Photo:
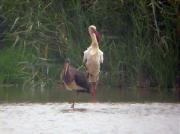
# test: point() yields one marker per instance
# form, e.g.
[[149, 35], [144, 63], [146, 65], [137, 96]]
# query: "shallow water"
[[90, 118], [104, 94], [127, 111]]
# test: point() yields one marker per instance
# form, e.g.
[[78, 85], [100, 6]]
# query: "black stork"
[[74, 79], [93, 58]]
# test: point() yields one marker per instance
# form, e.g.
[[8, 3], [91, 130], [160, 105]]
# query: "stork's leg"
[[72, 106], [93, 88], [75, 97], [93, 91]]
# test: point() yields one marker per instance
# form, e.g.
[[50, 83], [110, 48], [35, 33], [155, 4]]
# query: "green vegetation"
[[139, 40]]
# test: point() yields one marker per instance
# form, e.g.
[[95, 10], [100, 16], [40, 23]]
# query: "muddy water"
[[90, 118]]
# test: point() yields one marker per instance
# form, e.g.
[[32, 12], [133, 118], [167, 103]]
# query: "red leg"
[[91, 89], [93, 92]]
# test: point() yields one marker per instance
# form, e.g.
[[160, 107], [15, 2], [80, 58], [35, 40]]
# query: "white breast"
[[93, 62]]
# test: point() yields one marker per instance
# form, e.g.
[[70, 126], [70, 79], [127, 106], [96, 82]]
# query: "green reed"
[[138, 40]]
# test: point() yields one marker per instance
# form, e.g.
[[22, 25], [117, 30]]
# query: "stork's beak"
[[66, 65], [98, 35]]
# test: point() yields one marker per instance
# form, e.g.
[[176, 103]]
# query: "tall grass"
[[138, 39]]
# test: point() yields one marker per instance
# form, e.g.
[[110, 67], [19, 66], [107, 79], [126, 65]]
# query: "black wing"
[[81, 80]]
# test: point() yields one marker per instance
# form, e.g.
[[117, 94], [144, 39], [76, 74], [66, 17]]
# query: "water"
[[104, 94], [47, 111], [90, 118]]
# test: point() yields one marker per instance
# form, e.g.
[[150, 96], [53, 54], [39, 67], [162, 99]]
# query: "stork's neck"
[[94, 45]]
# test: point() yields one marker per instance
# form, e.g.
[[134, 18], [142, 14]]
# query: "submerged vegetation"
[[139, 40]]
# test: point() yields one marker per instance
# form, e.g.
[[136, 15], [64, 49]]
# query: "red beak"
[[98, 35]]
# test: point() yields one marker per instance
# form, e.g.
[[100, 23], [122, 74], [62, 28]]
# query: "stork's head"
[[67, 60], [92, 29]]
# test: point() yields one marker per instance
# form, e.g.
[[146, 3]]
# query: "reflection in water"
[[70, 110], [104, 94]]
